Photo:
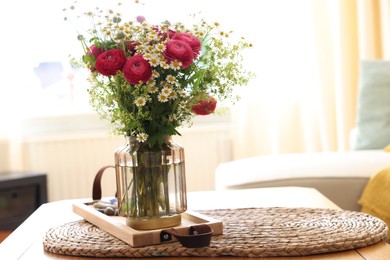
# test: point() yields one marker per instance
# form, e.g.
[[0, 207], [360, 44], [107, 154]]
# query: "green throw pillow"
[[373, 112]]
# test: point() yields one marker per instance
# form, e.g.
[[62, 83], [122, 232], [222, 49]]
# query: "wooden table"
[[26, 241]]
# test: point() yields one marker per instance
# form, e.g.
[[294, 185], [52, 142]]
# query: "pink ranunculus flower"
[[137, 70], [205, 107], [180, 51], [191, 40], [140, 18], [109, 62]]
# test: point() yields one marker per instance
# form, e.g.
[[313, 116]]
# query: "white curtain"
[[315, 109]]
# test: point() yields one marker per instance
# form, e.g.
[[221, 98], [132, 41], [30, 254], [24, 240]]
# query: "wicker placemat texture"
[[252, 232]]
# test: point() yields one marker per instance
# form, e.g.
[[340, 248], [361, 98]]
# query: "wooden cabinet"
[[21, 193]]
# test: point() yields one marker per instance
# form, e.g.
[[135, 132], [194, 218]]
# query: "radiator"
[[4, 155], [72, 160]]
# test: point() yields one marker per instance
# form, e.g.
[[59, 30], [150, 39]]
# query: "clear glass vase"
[[151, 184]]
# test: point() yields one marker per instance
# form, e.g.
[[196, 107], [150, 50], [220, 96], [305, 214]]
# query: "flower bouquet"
[[148, 80]]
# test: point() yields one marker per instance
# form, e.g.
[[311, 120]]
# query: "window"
[[38, 80]]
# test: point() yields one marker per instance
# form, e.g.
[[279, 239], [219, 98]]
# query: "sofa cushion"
[[341, 176], [373, 111], [375, 199]]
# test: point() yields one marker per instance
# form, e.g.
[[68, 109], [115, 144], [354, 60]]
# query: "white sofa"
[[341, 176]]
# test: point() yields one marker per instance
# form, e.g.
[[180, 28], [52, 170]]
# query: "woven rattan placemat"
[[254, 232]]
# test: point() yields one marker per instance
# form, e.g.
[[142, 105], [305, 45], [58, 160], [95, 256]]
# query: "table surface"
[[26, 241]]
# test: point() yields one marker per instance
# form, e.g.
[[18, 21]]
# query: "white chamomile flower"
[[139, 48], [147, 56], [160, 47], [142, 137], [151, 82], [152, 36], [164, 84], [154, 61], [144, 42], [172, 117], [164, 27], [152, 89], [200, 34], [164, 65], [182, 105], [171, 79], [166, 91], [173, 95], [157, 52], [140, 102], [175, 65], [155, 73], [182, 93], [162, 98]]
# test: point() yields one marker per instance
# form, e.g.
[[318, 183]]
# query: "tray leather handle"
[[97, 188], [199, 236]]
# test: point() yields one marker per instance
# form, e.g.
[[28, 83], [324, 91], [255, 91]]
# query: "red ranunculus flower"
[[129, 46], [95, 51], [191, 40], [180, 51], [137, 70], [205, 107], [164, 35], [109, 62], [168, 34]]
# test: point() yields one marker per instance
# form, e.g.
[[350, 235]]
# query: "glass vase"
[[151, 184]]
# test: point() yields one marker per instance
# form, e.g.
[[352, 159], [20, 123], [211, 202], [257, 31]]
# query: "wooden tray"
[[116, 225]]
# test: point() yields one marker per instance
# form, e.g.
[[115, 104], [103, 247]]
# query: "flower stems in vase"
[[152, 183], [150, 190]]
